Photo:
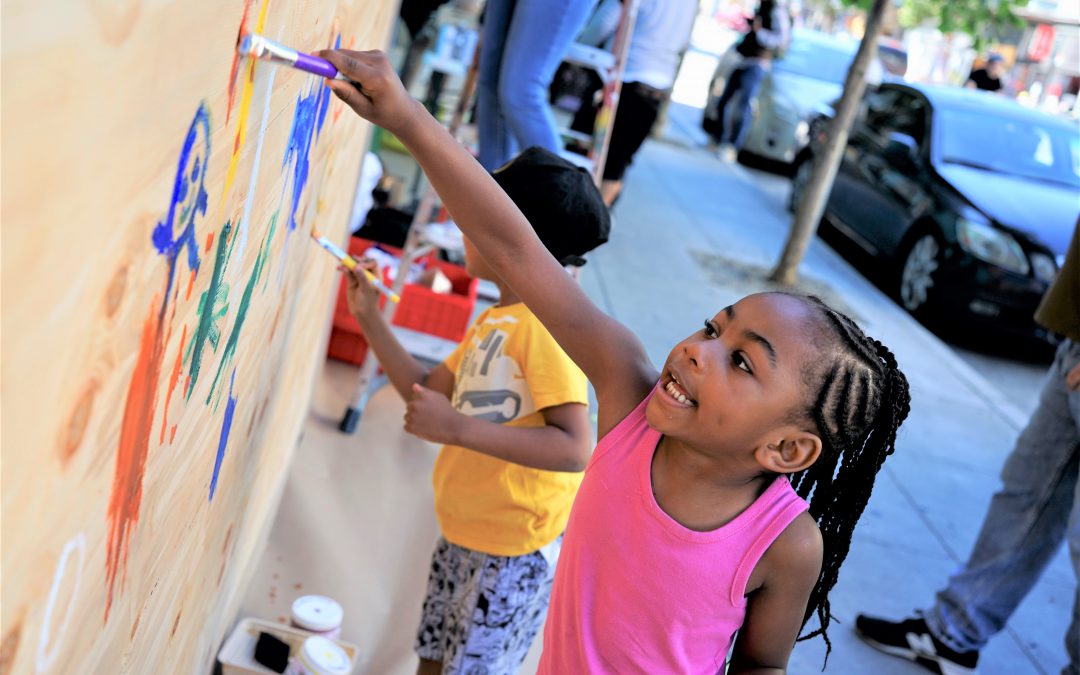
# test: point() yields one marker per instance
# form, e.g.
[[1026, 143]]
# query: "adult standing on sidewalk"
[[522, 42], [661, 32], [1037, 507], [769, 32]]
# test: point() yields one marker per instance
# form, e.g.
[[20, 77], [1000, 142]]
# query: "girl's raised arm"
[[610, 355]]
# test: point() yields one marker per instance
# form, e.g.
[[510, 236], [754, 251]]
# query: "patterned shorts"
[[482, 611]]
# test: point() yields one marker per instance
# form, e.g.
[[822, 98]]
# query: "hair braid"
[[861, 400]]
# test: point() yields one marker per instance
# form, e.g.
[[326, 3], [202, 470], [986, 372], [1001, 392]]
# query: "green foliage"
[[983, 20]]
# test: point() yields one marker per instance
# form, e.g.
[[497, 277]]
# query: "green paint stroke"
[[242, 310], [213, 306]]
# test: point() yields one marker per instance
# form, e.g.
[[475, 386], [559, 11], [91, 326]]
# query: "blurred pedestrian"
[[1037, 507], [988, 78], [661, 31], [522, 43], [769, 32]]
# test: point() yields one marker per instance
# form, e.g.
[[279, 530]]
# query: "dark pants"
[[742, 86], [639, 105]]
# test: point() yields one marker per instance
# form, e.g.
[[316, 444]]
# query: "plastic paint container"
[[320, 656], [318, 614]]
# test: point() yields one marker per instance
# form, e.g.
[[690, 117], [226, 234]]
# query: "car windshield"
[[812, 59], [1002, 144]]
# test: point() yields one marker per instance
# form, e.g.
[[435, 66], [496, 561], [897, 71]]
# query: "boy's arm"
[[401, 368], [562, 444], [774, 611], [611, 356]]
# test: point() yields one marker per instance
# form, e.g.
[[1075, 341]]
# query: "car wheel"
[[798, 183], [918, 273]]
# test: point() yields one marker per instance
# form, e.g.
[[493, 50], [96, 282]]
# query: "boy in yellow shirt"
[[510, 408]]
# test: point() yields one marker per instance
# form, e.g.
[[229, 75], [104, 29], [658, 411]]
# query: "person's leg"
[[1072, 634], [1026, 522], [637, 111], [731, 88], [490, 123], [751, 82], [540, 32]]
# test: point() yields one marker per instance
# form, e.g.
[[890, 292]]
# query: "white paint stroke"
[[48, 645], [249, 201]]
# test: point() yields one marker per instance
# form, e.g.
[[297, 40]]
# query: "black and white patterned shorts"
[[482, 611]]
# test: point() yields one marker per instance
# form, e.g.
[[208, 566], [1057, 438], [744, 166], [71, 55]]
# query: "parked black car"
[[968, 198]]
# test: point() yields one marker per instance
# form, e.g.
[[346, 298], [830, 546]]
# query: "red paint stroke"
[[236, 61], [172, 434], [135, 430], [190, 285], [172, 384], [209, 241]]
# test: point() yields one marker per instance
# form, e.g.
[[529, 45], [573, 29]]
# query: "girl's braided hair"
[[862, 400]]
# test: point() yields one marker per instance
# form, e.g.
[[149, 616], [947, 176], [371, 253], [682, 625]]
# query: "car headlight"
[[991, 245], [1044, 267]]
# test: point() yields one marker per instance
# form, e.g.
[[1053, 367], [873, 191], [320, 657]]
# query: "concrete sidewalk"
[[691, 235]]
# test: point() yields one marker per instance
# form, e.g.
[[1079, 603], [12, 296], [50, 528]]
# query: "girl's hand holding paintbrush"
[[373, 89]]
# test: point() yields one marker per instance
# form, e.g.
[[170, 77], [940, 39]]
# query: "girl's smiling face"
[[733, 385]]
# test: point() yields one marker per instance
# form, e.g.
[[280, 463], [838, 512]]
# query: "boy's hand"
[[362, 296], [430, 416], [374, 90]]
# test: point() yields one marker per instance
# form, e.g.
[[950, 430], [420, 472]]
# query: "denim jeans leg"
[[1072, 635], [751, 82], [540, 33], [723, 111], [491, 129], [1026, 523]]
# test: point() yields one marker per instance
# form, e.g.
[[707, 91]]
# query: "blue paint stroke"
[[189, 199], [296, 151], [226, 427], [324, 97]]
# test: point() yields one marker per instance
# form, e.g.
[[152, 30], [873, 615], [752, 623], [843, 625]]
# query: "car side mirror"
[[900, 149]]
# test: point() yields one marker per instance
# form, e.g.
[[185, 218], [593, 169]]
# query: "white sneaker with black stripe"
[[912, 640]]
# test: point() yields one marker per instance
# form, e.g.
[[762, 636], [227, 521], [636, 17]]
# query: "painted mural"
[[154, 383]]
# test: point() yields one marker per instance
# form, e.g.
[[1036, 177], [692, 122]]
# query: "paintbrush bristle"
[[315, 234]]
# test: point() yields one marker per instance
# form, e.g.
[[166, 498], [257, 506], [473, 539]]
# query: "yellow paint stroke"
[[246, 92]]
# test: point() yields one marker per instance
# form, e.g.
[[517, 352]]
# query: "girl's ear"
[[792, 451]]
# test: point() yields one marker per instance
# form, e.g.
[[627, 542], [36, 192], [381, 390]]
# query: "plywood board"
[[164, 312]]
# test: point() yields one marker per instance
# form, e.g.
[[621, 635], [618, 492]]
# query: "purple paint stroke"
[[189, 198], [226, 427]]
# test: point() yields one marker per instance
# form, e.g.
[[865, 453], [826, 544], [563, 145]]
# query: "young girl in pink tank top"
[[721, 498]]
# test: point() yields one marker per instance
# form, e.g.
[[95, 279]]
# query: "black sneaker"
[[912, 640]]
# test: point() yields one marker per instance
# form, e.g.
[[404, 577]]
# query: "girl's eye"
[[740, 362], [709, 330]]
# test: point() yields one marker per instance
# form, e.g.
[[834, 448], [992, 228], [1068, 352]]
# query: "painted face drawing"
[[189, 198]]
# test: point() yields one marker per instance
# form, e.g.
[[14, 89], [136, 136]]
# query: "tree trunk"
[[827, 160]]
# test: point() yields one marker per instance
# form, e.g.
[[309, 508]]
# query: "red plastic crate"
[[421, 309]]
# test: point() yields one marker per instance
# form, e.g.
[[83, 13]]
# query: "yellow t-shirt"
[[506, 370]]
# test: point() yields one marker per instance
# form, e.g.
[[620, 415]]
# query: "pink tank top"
[[635, 591]]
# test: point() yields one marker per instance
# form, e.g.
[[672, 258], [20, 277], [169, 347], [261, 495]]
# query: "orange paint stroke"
[[209, 241], [236, 61], [172, 434], [135, 430], [190, 285], [172, 384]]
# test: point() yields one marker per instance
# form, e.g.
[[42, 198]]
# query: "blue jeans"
[[1036, 508], [522, 43], [742, 85]]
